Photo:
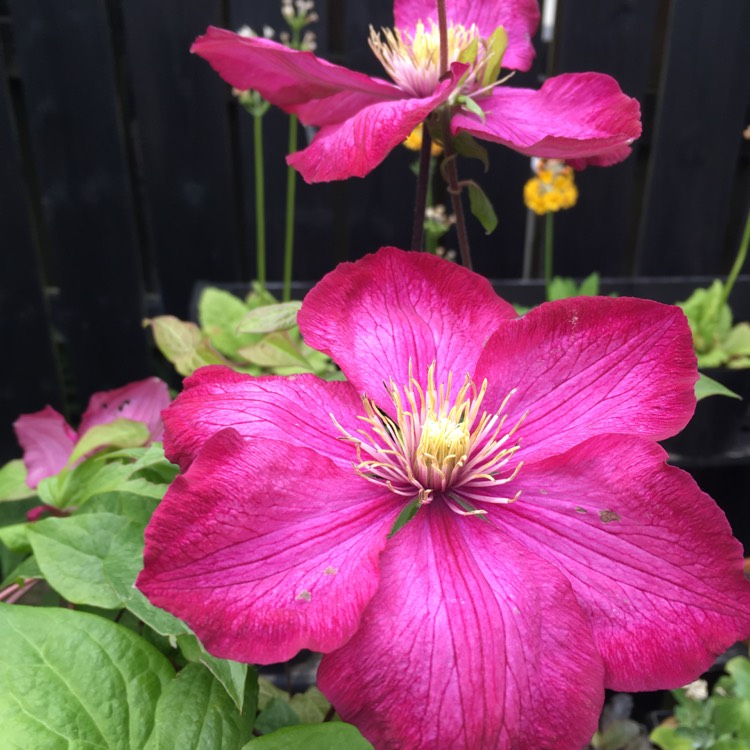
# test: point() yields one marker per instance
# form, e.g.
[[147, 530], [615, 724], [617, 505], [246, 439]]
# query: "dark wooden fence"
[[125, 171]]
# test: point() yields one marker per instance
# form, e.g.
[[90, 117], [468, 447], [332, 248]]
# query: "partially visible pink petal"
[[470, 642], [354, 147], [296, 409], [264, 549], [47, 441], [519, 18], [650, 557], [588, 366], [291, 79], [392, 310], [583, 118], [142, 401]]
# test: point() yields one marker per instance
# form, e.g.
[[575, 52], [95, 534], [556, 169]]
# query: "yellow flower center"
[[412, 60], [438, 441]]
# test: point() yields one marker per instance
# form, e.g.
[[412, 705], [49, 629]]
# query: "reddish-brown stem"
[[450, 171], [15, 592], [443, 29]]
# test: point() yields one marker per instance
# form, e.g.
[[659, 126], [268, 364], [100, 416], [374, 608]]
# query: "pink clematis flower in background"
[[583, 118], [48, 440], [553, 553]]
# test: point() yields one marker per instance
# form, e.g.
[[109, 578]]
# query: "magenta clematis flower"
[[553, 552], [581, 118], [48, 440]]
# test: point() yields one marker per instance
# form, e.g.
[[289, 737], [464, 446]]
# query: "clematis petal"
[[142, 401], [592, 365], [650, 557], [470, 642], [583, 118], [291, 79], [264, 549], [393, 309], [355, 146], [295, 409], [519, 18], [47, 441]]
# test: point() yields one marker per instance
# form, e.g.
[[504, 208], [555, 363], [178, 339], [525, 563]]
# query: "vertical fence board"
[[613, 37], [186, 166], [67, 68], [701, 110], [29, 371]]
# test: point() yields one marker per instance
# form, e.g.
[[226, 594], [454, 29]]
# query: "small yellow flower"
[[414, 142], [553, 188]]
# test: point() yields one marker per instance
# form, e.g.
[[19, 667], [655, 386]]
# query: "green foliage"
[[719, 721], [564, 288], [13, 481], [257, 335], [706, 387], [95, 664], [330, 736], [72, 679], [481, 207], [718, 342]]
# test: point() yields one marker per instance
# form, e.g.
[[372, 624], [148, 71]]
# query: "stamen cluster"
[[413, 60], [438, 442]]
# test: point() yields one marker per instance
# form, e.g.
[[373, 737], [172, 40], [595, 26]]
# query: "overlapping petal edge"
[[584, 118], [608, 549], [48, 440]]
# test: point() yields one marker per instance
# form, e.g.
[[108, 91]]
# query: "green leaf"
[[121, 433], [220, 314], [280, 316], [466, 145], [272, 351], [561, 288], [136, 508], [667, 738], [277, 714], [71, 551], [183, 344], [195, 711], [75, 680], [738, 669], [26, 570], [311, 706], [14, 537], [496, 46], [589, 286], [481, 207], [329, 736], [231, 674], [469, 53], [13, 481], [468, 103], [102, 473], [706, 387]]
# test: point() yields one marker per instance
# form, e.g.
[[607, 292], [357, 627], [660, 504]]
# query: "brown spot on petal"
[[607, 516], [329, 571], [304, 595], [579, 509]]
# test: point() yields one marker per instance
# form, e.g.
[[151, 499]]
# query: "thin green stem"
[[423, 184], [260, 202], [549, 224], [291, 189], [739, 261]]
